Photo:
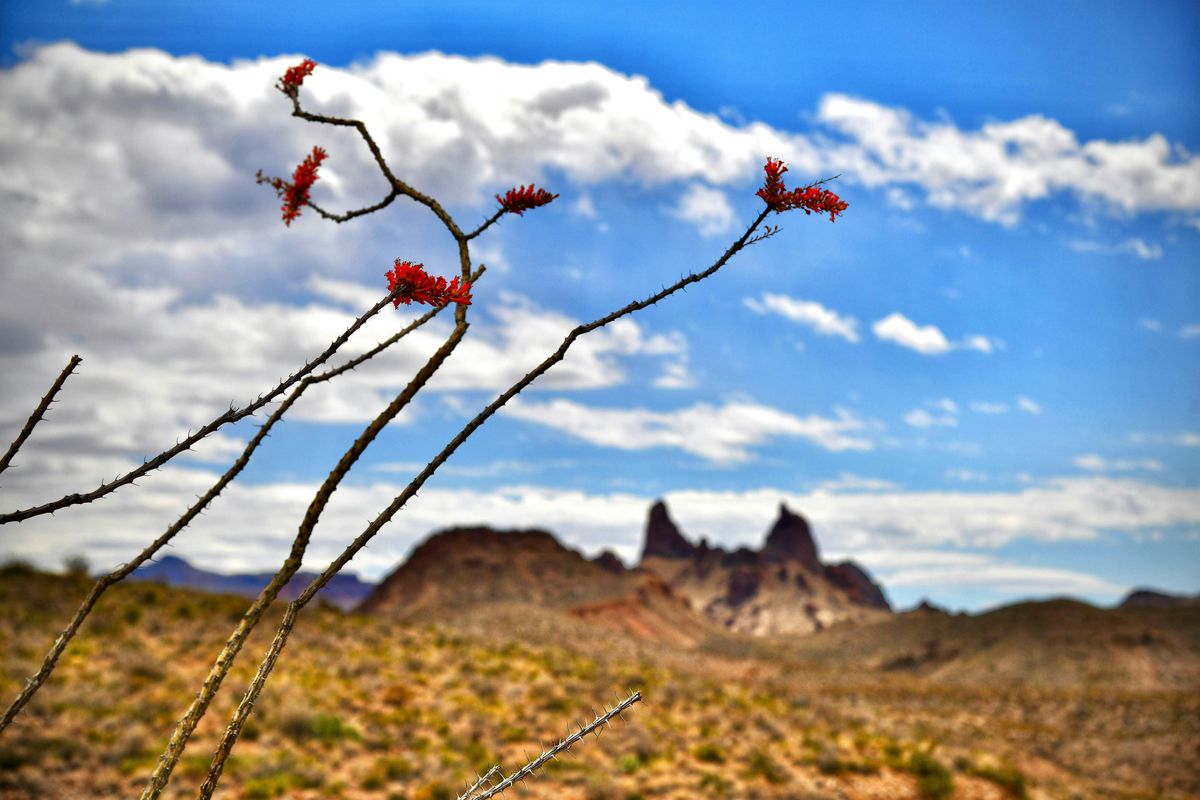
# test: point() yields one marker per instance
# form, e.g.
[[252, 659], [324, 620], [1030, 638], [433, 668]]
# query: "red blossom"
[[295, 75], [295, 194], [518, 201], [809, 199], [415, 284]]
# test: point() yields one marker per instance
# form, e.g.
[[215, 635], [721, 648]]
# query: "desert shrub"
[[759, 764], [331, 728], [385, 770], [1006, 776], [934, 781], [709, 753], [434, 791], [714, 784]]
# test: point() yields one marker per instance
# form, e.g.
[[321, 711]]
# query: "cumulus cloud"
[[994, 171], [925, 339], [706, 208], [809, 313], [720, 434], [989, 408], [205, 355], [1190, 331], [966, 475], [250, 527], [999, 577], [920, 418], [1027, 405], [849, 482], [928, 340], [1136, 247], [1096, 463]]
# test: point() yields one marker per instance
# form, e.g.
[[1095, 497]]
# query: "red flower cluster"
[[518, 201], [416, 284], [777, 197], [296, 75], [295, 194]]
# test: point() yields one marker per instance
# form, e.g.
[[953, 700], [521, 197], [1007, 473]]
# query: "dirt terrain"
[[369, 707]]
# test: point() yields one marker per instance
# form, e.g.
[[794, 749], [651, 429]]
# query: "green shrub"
[[709, 753], [714, 784], [760, 764], [933, 779], [1007, 777]]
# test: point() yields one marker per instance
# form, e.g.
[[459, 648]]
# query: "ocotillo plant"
[[407, 283]]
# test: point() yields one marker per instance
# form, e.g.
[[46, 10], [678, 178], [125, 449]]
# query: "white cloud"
[[927, 340], [920, 418], [977, 342], [168, 383], [1181, 439], [463, 129], [849, 482], [1152, 325], [1002, 577], [706, 208], [584, 207], [1190, 331], [809, 313], [947, 405], [722, 435], [1146, 252], [1136, 246], [888, 530], [1027, 405], [994, 171], [966, 475], [1096, 463], [989, 408], [675, 375]]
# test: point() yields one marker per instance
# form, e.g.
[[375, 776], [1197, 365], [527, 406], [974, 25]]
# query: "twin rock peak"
[[781, 589]]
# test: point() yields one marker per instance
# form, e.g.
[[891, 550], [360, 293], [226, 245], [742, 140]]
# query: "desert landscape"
[[765, 674]]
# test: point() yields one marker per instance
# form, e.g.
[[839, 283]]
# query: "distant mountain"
[[783, 588], [1064, 643], [460, 570], [680, 592], [1152, 598], [344, 590]]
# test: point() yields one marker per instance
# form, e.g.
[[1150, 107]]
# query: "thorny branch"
[[39, 412], [116, 576], [229, 417], [293, 609], [595, 726]]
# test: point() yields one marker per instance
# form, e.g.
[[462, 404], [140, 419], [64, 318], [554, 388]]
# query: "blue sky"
[[979, 382]]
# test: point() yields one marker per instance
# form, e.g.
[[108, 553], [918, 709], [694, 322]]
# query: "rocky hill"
[[461, 569], [781, 589], [345, 590], [1051, 643], [1152, 598], [680, 593]]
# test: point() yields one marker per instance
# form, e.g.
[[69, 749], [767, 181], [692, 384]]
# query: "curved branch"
[[116, 576], [398, 186], [242, 713], [212, 684], [230, 416], [39, 412]]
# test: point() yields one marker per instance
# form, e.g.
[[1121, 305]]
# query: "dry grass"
[[365, 708]]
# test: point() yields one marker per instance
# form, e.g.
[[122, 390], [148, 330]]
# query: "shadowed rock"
[[663, 538], [791, 539], [858, 584]]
